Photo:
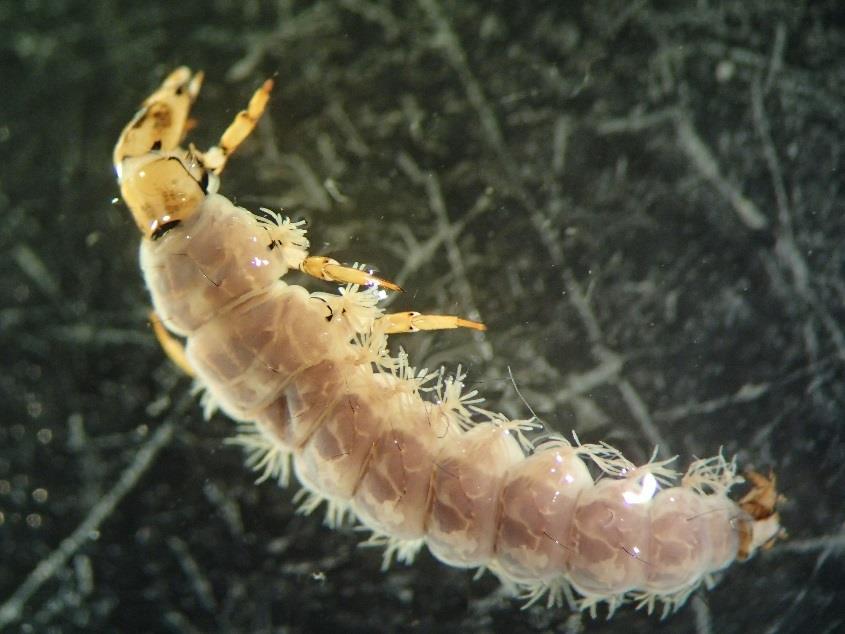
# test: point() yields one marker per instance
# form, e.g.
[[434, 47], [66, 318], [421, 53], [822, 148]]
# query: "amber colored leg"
[[412, 321], [172, 347], [324, 268], [241, 127]]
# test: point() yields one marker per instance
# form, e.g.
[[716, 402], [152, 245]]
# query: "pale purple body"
[[267, 353]]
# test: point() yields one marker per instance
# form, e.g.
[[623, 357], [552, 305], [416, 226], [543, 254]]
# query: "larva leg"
[[241, 127], [162, 121], [174, 348], [330, 270], [412, 321]]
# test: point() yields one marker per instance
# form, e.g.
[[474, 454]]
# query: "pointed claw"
[[330, 270]]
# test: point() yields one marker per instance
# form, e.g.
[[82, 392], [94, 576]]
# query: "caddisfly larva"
[[405, 452]]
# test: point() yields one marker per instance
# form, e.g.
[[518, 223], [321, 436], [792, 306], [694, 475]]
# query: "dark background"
[[641, 199]]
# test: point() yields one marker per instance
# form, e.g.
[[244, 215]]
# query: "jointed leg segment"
[[412, 321], [330, 270], [172, 347], [214, 160]]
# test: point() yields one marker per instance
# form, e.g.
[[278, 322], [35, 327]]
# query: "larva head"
[[161, 183], [161, 191]]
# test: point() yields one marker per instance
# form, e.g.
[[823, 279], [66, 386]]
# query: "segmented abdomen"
[[365, 440]]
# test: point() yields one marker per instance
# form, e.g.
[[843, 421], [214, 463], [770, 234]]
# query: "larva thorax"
[[310, 378], [214, 259]]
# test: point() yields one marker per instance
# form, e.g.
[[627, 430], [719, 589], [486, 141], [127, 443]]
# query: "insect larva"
[[310, 378]]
